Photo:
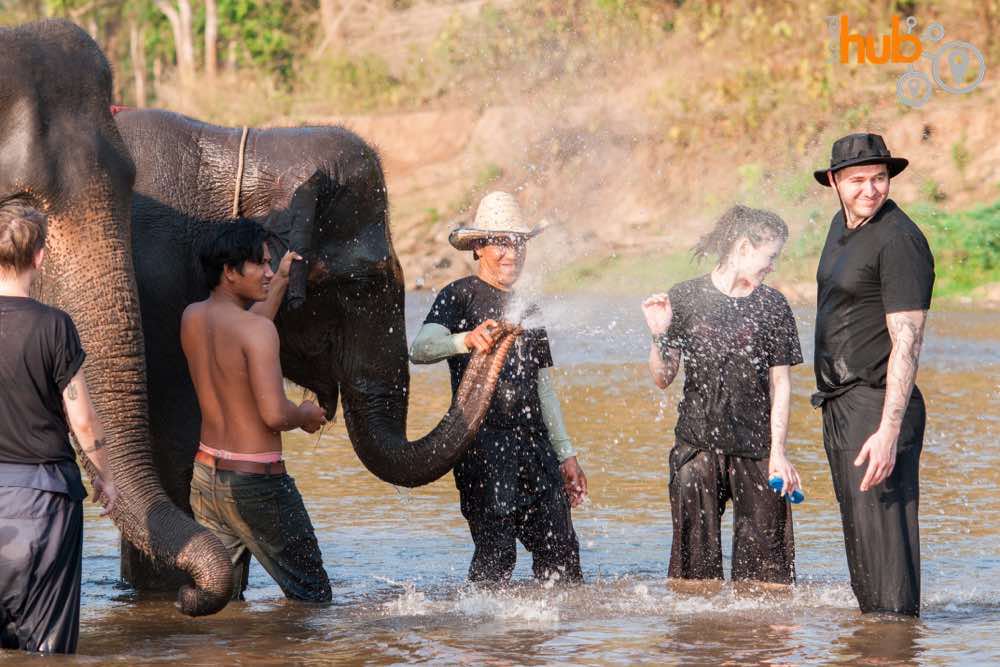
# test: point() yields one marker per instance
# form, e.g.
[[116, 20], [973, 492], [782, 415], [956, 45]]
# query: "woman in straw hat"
[[738, 340], [520, 475]]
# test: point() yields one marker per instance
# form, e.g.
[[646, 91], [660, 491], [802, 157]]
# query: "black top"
[[40, 352], [465, 304], [884, 266], [728, 344]]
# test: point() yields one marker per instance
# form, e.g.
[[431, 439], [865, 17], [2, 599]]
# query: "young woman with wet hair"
[[738, 340]]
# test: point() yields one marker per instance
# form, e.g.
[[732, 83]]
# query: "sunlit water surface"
[[398, 558]]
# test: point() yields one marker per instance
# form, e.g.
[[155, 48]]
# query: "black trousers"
[[511, 489], [881, 530], [41, 547], [701, 482], [546, 531]]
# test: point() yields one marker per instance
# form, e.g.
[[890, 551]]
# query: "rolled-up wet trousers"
[[701, 483], [262, 515], [41, 547], [881, 531]]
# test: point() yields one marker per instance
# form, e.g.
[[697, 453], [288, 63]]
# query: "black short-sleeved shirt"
[[884, 266], [465, 304], [728, 344], [40, 352]]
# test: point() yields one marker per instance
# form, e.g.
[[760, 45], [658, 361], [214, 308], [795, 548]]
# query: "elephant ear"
[[292, 229]]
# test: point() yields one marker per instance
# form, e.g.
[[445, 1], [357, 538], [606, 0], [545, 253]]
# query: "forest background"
[[629, 124]]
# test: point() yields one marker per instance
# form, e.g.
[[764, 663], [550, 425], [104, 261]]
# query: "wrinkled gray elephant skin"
[[321, 190], [61, 152]]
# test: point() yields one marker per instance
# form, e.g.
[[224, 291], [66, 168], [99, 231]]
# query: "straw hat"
[[498, 215]]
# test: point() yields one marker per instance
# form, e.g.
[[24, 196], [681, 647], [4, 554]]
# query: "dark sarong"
[[701, 482], [881, 530], [262, 515], [41, 543]]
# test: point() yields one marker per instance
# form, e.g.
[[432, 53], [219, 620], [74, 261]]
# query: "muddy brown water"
[[398, 558]]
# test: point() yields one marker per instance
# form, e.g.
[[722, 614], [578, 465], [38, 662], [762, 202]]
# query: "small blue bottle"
[[796, 496]]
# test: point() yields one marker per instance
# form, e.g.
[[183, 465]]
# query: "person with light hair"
[[44, 396], [519, 477]]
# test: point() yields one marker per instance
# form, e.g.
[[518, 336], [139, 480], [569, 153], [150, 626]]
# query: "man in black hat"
[[875, 279]]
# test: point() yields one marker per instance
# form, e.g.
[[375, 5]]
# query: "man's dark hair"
[[234, 244]]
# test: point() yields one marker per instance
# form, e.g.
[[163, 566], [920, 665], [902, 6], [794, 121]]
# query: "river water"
[[398, 558]]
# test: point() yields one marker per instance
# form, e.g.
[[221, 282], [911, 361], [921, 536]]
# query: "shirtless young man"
[[240, 489]]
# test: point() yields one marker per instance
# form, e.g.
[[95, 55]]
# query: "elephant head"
[[61, 153], [348, 336]]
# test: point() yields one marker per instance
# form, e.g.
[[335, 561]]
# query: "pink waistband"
[[261, 457]]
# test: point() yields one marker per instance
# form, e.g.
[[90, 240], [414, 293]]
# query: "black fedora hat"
[[856, 149]]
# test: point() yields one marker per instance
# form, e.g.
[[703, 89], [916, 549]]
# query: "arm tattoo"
[[906, 329], [98, 444], [71, 393]]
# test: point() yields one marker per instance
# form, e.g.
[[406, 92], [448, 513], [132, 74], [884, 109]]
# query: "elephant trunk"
[[93, 280], [376, 422]]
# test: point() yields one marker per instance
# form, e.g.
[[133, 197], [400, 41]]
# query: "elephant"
[[61, 153], [322, 192]]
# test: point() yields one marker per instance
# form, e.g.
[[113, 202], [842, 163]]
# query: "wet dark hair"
[[22, 235], [233, 245], [754, 224]]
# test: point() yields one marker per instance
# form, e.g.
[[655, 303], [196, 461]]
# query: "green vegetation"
[[743, 78], [966, 247], [961, 155], [931, 191]]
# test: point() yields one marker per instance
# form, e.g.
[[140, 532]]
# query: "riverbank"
[[628, 125], [966, 246]]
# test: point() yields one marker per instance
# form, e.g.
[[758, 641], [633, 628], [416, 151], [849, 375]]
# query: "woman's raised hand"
[[658, 313]]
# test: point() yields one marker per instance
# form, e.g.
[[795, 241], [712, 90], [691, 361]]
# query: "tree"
[[179, 16], [332, 14], [137, 54], [211, 38]]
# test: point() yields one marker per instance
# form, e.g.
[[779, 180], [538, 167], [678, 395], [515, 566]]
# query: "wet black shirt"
[[884, 266], [465, 304], [40, 352], [728, 344]]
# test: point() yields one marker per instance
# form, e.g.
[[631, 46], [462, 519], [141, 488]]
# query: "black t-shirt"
[[728, 344], [884, 266], [40, 352], [465, 304]]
